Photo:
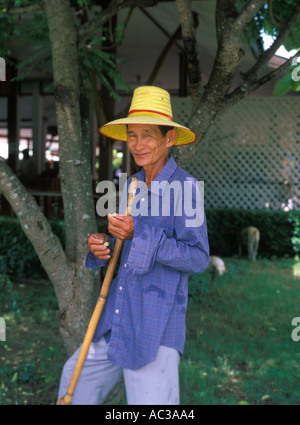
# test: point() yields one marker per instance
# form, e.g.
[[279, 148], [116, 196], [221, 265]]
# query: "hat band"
[[136, 112]]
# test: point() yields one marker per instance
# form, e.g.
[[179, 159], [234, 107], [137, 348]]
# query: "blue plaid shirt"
[[147, 301]]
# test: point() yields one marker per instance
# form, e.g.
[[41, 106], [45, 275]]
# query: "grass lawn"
[[239, 348]]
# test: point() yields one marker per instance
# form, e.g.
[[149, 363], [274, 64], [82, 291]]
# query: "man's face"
[[147, 144]]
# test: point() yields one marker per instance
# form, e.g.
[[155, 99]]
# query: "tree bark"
[[61, 271], [75, 171], [39, 232], [189, 22], [230, 27]]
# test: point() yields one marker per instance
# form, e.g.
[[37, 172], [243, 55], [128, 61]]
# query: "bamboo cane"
[[67, 398]]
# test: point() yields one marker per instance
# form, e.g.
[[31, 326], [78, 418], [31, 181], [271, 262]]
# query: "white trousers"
[[155, 383]]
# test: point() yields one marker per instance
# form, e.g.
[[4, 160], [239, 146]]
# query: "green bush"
[[280, 236], [276, 230], [17, 255], [294, 218]]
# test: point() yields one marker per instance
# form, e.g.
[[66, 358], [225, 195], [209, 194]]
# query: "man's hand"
[[121, 226], [96, 244]]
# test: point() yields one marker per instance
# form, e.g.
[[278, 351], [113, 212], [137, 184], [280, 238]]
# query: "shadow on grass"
[[239, 348]]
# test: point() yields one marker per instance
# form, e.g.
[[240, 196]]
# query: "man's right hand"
[[96, 245]]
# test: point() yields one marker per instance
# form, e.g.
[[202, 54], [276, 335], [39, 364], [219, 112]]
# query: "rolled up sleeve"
[[93, 262]]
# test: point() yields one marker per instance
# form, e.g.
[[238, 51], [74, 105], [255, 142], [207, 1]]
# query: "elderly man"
[[141, 332]]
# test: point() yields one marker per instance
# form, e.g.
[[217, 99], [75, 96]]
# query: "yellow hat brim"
[[117, 130]]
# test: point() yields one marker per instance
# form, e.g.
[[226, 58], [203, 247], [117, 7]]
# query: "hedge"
[[279, 231], [280, 236], [17, 256]]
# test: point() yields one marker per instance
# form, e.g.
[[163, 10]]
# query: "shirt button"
[[117, 311], [143, 199], [120, 288], [125, 265]]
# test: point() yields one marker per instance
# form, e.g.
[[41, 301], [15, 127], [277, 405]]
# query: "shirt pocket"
[[165, 223]]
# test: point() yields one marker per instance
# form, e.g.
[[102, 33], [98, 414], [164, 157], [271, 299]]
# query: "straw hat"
[[150, 105]]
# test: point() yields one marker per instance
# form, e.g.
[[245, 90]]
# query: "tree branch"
[[33, 8], [38, 231], [276, 23], [189, 22], [247, 13], [224, 11], [249, 86], [230, 52], [269, 53], [228, 58], [228, 20]]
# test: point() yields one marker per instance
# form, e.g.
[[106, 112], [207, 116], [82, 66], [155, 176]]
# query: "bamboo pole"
[[67, 398]]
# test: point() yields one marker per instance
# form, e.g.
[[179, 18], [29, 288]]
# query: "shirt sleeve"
[[93, 262], [187, 250]]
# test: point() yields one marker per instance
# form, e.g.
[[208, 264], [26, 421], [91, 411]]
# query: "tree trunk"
[[75, 174], [74, 284]]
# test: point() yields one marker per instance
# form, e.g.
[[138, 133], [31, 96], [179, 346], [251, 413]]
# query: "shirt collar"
[[164, 175]]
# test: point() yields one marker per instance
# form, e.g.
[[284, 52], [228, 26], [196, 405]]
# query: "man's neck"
[[151, 172]]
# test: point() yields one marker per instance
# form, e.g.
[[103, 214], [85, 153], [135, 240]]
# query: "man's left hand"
[[121, 226]]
